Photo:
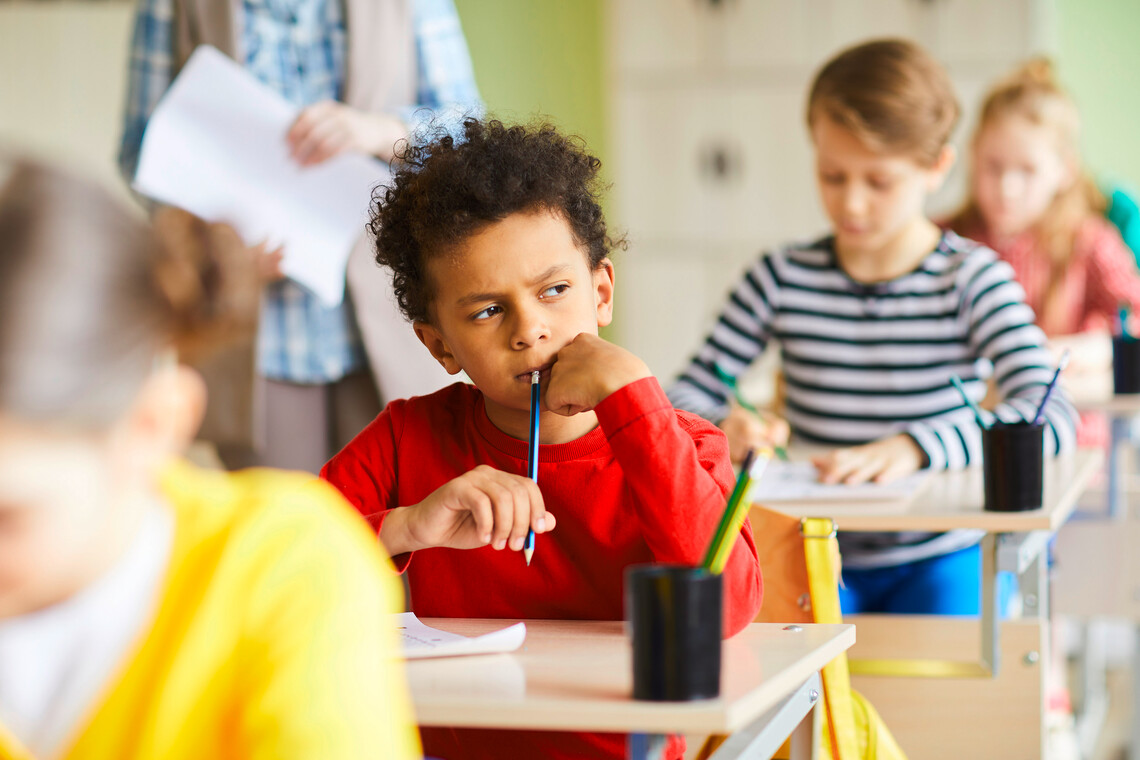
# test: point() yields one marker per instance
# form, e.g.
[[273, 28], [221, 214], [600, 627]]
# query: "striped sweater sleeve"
[[1000, 329], [737, 339]]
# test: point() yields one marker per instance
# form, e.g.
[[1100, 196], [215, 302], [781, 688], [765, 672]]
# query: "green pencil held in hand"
[[730, 381], [735, 511]]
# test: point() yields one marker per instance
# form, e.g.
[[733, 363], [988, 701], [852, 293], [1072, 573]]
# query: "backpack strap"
[[820, 546]]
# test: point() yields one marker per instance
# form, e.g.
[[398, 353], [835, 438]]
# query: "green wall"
[[1098, 57], [540, 57]]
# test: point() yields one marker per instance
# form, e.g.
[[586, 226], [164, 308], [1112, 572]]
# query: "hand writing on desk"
[[880, 461], [480, 507], [753, 430]]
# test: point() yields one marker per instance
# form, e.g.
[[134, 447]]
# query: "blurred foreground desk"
[[937, 681], [576, 675]]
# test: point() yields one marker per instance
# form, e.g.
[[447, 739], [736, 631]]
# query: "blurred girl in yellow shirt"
[[149, 609]]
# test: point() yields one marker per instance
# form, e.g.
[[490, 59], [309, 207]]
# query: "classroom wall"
[[1099, 57], [63, 80], [62, 72], [554, 64], [540, 56]]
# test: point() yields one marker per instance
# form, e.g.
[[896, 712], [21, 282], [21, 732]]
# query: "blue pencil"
[[1064, 362], [532, 455]]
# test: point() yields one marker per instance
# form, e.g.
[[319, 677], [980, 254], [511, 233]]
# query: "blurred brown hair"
[[90, 294], [1032, 92], [889, 93]]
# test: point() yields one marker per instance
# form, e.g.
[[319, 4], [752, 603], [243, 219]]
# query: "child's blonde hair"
[[891, 94], [1032, 93]]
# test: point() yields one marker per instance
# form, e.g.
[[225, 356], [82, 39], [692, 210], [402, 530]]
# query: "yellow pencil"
[[736, 511]]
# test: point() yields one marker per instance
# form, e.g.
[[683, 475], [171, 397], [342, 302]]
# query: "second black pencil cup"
[[1013, 462], [674, 615], [1125, 364]]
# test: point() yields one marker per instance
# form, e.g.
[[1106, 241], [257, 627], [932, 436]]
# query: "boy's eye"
[[487, 313], [831, 179], [555, 290], [879, 183]]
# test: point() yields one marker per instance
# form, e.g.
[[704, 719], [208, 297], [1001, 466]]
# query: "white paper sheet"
[[215, 146], [799, 481], [418, 640]]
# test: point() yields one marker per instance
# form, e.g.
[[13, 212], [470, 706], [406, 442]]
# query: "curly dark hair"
[[447, 189]]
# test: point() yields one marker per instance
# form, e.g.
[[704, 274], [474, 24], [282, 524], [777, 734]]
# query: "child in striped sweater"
[[872, 321]]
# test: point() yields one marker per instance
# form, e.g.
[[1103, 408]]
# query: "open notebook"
[[799, 481], [418, 640]]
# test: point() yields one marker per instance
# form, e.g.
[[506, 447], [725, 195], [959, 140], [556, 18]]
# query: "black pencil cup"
[[1013, 466], [675, 621], [1125, 364]]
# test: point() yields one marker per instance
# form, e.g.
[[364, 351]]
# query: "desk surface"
[[1094, 394], [953, 500], [576, 675]]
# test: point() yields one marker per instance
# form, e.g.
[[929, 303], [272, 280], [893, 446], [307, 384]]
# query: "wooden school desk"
[[932, 657], [575, 675]]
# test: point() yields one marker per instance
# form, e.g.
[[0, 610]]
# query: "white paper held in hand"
[[418, 640], [215, 146]]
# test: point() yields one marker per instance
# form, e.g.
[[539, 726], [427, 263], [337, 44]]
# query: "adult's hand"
[[329, 128]]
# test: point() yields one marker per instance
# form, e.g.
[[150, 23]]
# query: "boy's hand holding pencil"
[[748, 427], [481, 507], [753, 430]]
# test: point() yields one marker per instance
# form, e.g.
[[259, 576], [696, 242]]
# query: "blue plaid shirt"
[[297, 48]]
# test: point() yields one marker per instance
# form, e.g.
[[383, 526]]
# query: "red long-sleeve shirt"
[[647, 485]]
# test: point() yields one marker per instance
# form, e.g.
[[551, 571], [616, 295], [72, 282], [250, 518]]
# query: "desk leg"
[[805, 739], [646, 746], [1094, 690], [795, 717], [1119, 432], [1033, 585], [1134, 738], [990, 603]]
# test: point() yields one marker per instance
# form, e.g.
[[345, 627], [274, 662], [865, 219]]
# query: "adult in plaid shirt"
[[366, 74]]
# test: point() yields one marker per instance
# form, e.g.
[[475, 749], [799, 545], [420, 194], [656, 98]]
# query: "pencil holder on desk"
[[1125, 364], [674, 616], [1013, 460]]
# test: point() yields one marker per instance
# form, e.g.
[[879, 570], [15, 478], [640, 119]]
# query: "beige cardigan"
[[380, 76], [380, 61]]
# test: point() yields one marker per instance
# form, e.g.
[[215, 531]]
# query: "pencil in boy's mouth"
[[524, 377]]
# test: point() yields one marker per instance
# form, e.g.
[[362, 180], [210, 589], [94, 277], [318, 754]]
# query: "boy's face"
[[54, 503], [870, 197], [509, 298], [1018, 171]]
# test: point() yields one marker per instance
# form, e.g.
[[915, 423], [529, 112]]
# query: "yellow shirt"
[[272, 638]]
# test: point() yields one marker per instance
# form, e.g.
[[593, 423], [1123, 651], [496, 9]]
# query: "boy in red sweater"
[[499, 254]]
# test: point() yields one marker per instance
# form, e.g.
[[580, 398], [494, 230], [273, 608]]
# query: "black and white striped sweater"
[[866, 361]]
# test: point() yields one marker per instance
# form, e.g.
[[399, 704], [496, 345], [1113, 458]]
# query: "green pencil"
[[735, 512], [730, 381]]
